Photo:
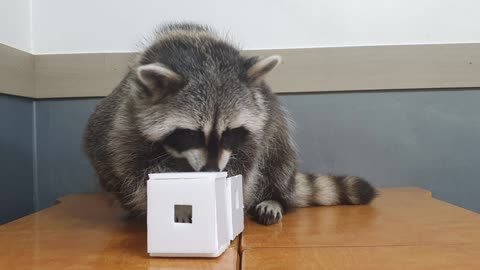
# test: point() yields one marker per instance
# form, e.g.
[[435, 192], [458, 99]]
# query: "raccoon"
[[192, 102]]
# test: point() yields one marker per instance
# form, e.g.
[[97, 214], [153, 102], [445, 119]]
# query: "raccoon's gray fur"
[[192, 102]]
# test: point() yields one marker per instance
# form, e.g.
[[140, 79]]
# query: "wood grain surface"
[[445, 257], [399, 216], [405, 228], [89, 232]]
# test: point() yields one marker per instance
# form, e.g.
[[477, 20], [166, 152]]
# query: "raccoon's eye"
[[232, 138], [185, 139]]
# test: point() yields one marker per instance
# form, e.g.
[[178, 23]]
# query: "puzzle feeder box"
[[216, 204]]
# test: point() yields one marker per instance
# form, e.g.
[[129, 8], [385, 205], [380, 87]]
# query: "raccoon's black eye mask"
[[233, 138], [185, 139]]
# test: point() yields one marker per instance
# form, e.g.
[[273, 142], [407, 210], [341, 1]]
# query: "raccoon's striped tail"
[[312, 190]]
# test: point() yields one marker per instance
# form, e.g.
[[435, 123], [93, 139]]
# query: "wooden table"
[[405, 228]]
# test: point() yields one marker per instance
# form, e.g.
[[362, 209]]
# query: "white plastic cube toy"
[[217, 213]]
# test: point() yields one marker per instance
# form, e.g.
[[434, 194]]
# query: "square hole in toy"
[[182, 213]]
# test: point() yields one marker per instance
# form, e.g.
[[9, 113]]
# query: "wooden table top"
[[89, 231], [399, 216], [405, 228], [364, 258]]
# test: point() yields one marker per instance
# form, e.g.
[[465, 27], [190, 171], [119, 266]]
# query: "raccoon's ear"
[[158, 80], [257, 70]]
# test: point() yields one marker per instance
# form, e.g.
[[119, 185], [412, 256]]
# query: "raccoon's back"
[[95, 139]]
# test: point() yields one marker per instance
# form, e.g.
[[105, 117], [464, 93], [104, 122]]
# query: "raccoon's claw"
[[183, 219], [268, 212]]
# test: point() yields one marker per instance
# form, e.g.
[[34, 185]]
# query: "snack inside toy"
[[193, 214]]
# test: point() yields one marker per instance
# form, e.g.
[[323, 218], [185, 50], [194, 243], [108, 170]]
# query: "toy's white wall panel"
[[166, 236], [116, 26], [222, 215], [15, 16], [237, 205]]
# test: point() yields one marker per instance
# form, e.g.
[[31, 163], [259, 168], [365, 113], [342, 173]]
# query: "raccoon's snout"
[[205, 153], [217, 163], [210, 169]]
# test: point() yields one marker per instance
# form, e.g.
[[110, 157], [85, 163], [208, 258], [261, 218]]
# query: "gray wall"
[[16, 158], [62, 166], [428, 139]]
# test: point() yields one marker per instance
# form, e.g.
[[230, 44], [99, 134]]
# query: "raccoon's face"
[[204, 152], [208, 120]]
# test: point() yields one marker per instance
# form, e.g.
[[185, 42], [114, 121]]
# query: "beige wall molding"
[[79, 75], [16, 72], [303, 70]]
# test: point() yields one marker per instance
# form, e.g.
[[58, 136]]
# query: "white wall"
[[68, 26], [15, 24], [62, 26]]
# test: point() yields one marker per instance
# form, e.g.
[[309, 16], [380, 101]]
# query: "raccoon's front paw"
[[268, 212], [183, 214]]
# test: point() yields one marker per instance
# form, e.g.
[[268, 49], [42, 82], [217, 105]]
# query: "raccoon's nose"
[[210, 168]]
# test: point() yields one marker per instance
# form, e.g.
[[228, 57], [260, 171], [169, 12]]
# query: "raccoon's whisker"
[[159, 157], [166, 159]]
